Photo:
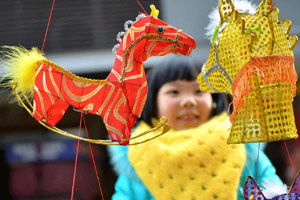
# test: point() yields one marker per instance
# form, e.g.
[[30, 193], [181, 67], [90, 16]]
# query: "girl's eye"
[[198, 91], [173, 92]]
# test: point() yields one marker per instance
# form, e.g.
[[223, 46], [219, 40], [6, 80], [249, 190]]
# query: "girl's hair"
[[175, 67]]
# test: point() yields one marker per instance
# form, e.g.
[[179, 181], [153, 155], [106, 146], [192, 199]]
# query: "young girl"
[[192, 160]]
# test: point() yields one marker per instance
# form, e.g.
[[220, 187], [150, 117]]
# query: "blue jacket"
[[130, 187]]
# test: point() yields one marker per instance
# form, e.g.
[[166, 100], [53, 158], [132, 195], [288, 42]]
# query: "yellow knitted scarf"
[[191, 164]]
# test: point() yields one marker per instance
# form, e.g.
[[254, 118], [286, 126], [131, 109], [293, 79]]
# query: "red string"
[[77, 149], [142, 7], [294, 188], [260, 192], [92, 155], [257, 161], [290, 159], [287, 150], [48, 26], [257, 170], [273, 5], [76, 159]]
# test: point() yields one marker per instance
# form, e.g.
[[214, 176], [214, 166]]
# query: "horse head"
[[147, 36], [149, 31], [251, 58]]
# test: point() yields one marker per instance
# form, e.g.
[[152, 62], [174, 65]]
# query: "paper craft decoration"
[[251, 58], [119, 99], [253, 192]]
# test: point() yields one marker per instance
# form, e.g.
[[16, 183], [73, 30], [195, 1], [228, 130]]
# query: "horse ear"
[[264, 8], [252, 191], [295, 188], [285, 26], [293, 40], [274, 14], [225, 9]]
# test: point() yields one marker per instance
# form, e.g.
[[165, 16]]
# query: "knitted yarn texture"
[[190, 164]]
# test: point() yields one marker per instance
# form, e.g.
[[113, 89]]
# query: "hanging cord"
[[76, 159], [77, 149], [142, 7], [92, 155], [273, 5], [256, 171], [257, 161], [47, 26], [290, 159]]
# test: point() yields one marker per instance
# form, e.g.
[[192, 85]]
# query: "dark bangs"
[[175, 67]]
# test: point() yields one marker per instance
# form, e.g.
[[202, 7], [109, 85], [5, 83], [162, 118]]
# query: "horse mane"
[[127, 25], [243, 6]]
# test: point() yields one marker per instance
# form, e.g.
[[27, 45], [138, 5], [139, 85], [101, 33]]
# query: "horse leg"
[[48, 107], [56, 112]]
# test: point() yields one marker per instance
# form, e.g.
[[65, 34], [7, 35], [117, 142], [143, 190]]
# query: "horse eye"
[[160, 30]]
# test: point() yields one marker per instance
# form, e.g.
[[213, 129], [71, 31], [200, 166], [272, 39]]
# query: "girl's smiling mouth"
[[189, 117]]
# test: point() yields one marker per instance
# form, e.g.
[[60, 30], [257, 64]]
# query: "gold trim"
[[73, 76], [120, 58], [152, 45], [116, 113], [110, 128], [138, 96], [54, 84], [76, 97], [129, 67], [80, 84], [39, 69], [41, 100], [46, 89], [88, 107], [140, 75], [142, 105], [155, 26], [181, 35], [117, 75], [131, 31], [107, 98], [34, 110]]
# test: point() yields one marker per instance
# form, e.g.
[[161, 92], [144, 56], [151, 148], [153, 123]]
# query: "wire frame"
[[162, 126]]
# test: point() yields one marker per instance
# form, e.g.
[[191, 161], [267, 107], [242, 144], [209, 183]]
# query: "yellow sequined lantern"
[[252, 59]]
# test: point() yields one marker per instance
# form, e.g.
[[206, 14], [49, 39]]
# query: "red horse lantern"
[[119, 99]]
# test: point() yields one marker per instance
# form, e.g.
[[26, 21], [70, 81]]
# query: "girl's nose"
[[188, 101]]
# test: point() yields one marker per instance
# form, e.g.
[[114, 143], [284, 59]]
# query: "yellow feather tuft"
[[20, 65]]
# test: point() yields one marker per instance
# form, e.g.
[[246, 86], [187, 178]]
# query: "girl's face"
[[183, 104]]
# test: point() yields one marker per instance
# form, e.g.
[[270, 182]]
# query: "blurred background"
[[39, 164]]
